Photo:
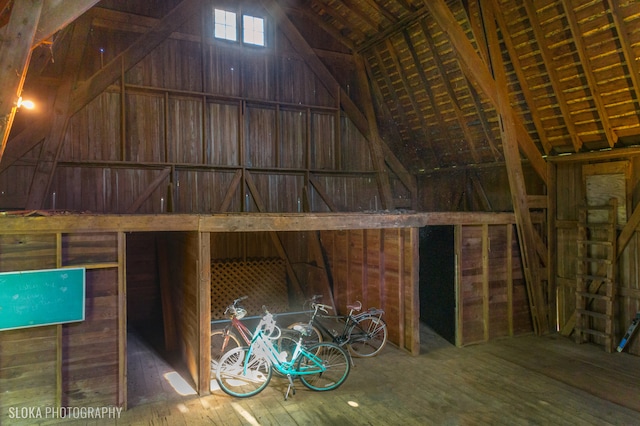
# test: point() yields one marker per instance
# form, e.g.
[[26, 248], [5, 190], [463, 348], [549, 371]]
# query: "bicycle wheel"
[[311, 339], [367, 337], [336, 365], [242, 377], [222, 341]]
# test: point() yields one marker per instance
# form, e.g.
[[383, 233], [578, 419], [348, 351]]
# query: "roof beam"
[[497, 91], [57, 14], [477, 71], [15, 50], [447, 85], [547, 59], [612, 138], [493, 15], [627, 49]]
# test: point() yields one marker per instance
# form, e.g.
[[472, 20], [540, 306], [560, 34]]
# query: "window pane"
[[253, 30], [225, 25]]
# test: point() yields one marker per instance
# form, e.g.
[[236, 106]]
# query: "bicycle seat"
[[355, 306]]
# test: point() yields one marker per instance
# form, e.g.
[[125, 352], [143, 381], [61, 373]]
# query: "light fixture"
[[28, 104]]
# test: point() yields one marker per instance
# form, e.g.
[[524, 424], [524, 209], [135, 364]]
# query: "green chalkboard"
[[43, 297]]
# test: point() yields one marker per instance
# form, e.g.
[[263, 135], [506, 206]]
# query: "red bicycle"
[[225, 339]]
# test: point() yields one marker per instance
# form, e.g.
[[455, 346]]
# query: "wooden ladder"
[[595, 274]]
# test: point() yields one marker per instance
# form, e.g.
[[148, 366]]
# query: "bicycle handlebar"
[[320, 306]]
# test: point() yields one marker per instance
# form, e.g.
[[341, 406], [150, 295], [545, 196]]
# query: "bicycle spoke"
[[242, 376], [368, 336], [333, 371]]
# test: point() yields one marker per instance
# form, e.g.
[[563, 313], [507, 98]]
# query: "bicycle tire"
[[314, 338], [367, 336], [336, 367], [219, 346], [242, 377]]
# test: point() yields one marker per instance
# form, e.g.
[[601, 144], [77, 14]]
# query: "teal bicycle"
[[246, 371]]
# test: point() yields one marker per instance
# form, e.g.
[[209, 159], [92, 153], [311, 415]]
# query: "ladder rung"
[[598, 207], [596, 242], [593, 332], [593, 314], [595, 277], [598, 225], [594, 296], [595, 260]]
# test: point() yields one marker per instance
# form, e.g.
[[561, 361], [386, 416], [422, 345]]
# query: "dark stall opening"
[[437, 280]]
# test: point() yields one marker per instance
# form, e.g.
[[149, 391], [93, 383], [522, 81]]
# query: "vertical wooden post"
[[59, 341], [122, 320], [457, 237], [485, 281]]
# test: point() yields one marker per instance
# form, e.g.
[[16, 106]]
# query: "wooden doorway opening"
[[437, 280]]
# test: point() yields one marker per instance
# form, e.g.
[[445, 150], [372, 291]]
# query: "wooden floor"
[[525, 380]]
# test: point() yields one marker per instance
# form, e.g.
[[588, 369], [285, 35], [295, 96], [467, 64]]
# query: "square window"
[[253, 30], [225, 25]]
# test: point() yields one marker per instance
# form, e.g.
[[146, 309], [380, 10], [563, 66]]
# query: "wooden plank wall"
[[380, 269], [195, 114], [571, 192], [78, 364], [491, 295], [190, 281]]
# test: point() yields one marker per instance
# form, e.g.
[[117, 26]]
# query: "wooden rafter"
[[362, 16], [58, 14], [477, 71], [524, 86], [447, 85], [15, 50], [337, 16], [554, 79], [496, 90], [627, 49], [400, 70], [611, 136], [381, 10], [329, 29]]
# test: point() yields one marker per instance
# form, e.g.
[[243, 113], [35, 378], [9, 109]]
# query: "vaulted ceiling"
[[570, 68]]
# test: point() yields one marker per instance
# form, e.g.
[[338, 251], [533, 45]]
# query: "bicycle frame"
[[345, 320], [266, 348]]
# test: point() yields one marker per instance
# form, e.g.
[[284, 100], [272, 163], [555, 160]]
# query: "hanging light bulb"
[[28, 104]]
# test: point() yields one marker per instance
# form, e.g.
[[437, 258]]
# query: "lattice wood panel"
[[263, 280]]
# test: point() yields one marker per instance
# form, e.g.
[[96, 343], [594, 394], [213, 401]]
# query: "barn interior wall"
[[70, 364], [571, 193], [480, 189], [202, 126]]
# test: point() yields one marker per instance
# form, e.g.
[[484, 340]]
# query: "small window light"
[[253, 30], [225, 25]]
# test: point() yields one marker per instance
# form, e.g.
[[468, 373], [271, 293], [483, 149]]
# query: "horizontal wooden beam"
[[241, 222]]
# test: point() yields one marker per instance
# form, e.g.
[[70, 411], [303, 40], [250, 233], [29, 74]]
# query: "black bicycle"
[[364, 333]]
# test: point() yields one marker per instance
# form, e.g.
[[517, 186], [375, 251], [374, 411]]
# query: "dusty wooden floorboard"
[[520, 381]]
